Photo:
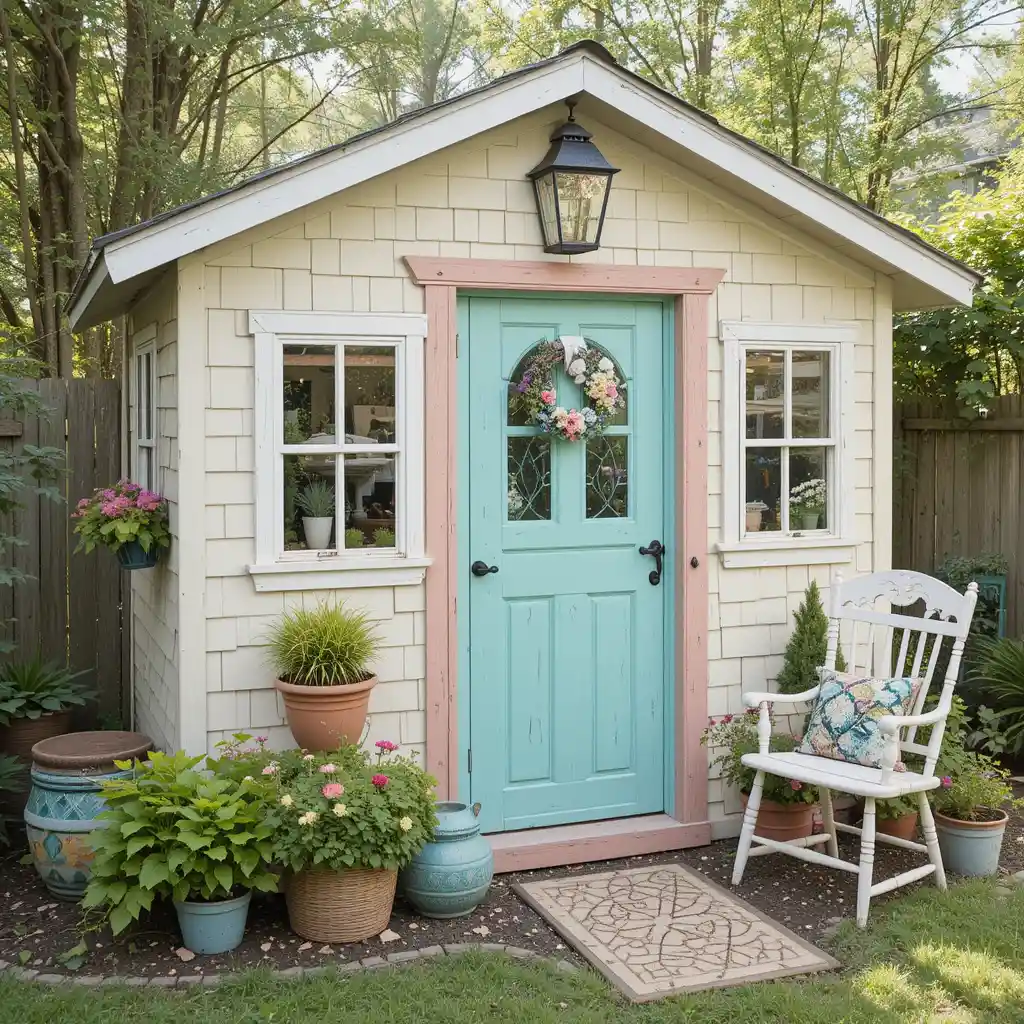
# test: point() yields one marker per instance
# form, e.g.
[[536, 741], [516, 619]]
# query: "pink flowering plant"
[[348, 808], [732, 736], [115, 516]]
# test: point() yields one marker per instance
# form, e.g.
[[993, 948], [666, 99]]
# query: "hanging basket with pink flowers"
[[127, 518], [535, 394]]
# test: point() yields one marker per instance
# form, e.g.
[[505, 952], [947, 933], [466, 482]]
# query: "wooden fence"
[[957, 490], [71, 609]]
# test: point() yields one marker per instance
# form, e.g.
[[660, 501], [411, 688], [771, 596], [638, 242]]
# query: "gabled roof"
[[123, 263]]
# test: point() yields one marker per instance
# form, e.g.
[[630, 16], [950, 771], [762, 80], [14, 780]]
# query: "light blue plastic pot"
[[970, 847], [213, 927]]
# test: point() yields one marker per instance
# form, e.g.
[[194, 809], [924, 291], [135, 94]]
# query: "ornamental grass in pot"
[[173, 831], [322, 658], [344, 823], [787, 805]]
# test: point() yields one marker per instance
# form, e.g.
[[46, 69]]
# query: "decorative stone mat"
[[661, 930], [8, 970]]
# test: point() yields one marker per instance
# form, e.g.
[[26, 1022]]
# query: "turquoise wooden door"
[[565, 642]]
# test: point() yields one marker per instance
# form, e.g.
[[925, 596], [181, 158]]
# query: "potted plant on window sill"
[[322, 658], [316, 503], [344, 824], [126, 518], [806, 504], [173, 831], [787, 805]]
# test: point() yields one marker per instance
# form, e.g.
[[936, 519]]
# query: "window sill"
[[339, 573], [786, 551]]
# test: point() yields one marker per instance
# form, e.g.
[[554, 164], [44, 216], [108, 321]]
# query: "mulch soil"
[[35, 929]]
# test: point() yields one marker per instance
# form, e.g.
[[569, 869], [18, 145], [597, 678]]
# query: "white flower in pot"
[[807, 503], [316, 503]]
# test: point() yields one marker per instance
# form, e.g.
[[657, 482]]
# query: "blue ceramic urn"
[[450, 876]]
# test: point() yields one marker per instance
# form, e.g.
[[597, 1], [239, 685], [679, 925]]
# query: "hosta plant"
[[350, 809], [33, 688], [175, 831]]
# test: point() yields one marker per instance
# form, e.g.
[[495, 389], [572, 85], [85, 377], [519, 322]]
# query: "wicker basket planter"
[[340, 906]]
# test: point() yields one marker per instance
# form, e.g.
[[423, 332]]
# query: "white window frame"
[[143, 344], [277, 569], [793, 547]]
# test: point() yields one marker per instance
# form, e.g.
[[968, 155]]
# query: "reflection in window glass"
[[810, 394], [370, 510], [369, 395], [808, 489], [309, 502], [765, 394], [607, 477], [309, 394], [529, 478], [763, 469]]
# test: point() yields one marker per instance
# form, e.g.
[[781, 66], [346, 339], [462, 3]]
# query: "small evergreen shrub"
[[805, 652]]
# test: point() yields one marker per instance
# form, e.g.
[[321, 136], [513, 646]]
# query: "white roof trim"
[[266, 199]]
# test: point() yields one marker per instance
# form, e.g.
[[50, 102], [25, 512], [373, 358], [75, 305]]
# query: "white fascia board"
[[314, 180], [800, 194], [97, 275]]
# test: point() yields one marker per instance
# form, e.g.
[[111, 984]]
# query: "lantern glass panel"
[[545, 186], [580, 202]]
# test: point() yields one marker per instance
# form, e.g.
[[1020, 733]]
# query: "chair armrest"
[[889, 725], [753, 700]]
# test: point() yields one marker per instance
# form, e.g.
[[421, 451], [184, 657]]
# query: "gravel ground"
[[35, 930]]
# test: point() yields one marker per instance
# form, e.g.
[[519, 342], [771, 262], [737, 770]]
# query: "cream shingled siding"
[[154, 593], [474, 201]]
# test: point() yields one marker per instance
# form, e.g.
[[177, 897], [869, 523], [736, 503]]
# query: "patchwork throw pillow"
[[843, 724]]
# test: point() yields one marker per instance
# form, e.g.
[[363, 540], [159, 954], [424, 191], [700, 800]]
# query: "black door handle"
[[655, 549], [479, 568]]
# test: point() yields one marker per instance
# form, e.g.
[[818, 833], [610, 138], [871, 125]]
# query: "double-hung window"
[[785, 389], [144, 387], [339, 441]]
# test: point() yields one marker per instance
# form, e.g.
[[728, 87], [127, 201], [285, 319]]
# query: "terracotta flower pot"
[[324, 717], [783, 822], [340, 906], [903, 827]]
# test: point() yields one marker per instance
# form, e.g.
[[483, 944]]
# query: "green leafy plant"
[[351, 809], [998, 674], [959, 572], [173, 831], [33, 688], [316, 499], [329, 645], [354, 538], [896, 807], [384, 538], [986, 732], [805, 651], [115, 516], [736, 735], [12, 780]]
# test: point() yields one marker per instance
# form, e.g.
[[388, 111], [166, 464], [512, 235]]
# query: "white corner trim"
[[339, 574], [786, 551]]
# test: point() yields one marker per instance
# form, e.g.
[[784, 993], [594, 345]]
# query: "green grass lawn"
[[957, 958]]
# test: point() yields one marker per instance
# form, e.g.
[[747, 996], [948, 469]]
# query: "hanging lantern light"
[[572, 183]]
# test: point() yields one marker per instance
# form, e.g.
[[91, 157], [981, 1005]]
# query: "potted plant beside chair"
[[787, 806], [316, 503], [174, 831], [322, 658], [344, 823], [127, 518]]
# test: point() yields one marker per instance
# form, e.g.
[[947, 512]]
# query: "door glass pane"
[[309, 502], [369, 395], [607, 477], [309, 394], [808, 489], [529, 478], [810, 394], [765, 385], [370, 511], [763, 471]]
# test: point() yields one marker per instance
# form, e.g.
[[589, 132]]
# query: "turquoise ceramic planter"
[[213, 927], [970, 847], [450, 876], [132, 556]]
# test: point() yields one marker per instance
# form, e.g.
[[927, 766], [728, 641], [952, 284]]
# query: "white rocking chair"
[[946, 614]]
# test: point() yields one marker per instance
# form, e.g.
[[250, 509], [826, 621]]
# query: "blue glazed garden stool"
[[450, 876], [65, 801]]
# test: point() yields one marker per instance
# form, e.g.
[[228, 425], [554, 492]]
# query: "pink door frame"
[[691, 288]]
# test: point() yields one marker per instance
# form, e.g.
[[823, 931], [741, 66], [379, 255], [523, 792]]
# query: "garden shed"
[[330, 369]]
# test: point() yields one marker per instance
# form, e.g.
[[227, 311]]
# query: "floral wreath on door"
[[536, 396]]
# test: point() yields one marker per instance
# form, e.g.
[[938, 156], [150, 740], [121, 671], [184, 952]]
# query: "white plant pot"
[[753, 520], [318, 531]]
